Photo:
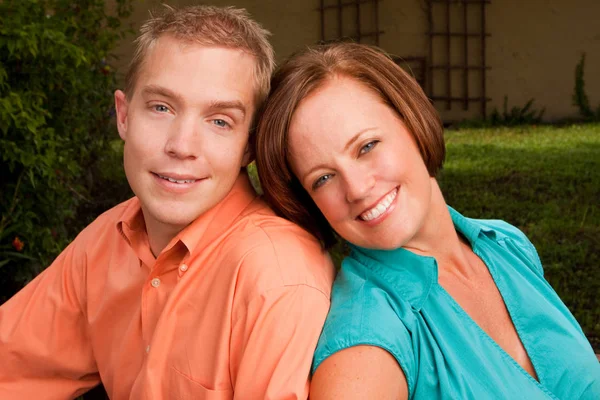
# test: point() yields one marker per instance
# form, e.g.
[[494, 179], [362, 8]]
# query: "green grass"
[[546, 181]]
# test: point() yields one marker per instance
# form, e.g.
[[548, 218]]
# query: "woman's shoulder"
[[500, 229], [364, 292], [364, 313], [511, 238], [514, 239]]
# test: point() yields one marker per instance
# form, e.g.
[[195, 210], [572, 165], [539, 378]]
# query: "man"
[[193, 289]]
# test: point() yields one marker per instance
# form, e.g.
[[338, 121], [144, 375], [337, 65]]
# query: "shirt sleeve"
[[44, 347], [272, 344]]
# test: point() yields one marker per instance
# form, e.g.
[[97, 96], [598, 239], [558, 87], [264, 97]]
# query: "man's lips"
[[176, 178]]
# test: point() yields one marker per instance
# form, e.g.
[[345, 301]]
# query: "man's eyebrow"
[[215, 105], [228, 105], [161, 91]]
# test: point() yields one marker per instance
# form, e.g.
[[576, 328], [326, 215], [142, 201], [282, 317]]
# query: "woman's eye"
[[368, 147], [161, 108], [321, 181], [221, 123]]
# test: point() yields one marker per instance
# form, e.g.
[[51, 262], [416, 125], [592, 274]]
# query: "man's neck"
[[160, 235]]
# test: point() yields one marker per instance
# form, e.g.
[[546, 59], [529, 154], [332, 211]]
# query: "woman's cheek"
[[332, 204]]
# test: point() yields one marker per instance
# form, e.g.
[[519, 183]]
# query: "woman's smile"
[[376, 213]]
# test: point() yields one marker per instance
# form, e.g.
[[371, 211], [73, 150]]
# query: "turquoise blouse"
[[392, 299]]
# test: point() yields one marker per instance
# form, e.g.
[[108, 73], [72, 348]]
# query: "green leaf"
[[22, 256]]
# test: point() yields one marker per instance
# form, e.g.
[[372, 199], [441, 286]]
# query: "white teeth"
[[176, 180], [379, 208]]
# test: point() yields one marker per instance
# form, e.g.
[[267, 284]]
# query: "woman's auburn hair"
[[302, 74]]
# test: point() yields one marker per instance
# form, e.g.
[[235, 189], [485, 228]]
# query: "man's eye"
[[368, 147], [321, 181], [161, 108], [221, 123]]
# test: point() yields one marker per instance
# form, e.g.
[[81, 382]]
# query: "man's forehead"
[[170, 43], [219, 74]]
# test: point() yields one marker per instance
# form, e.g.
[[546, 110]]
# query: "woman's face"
[[360, 165]]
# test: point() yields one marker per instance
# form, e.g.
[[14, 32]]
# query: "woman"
[[429, 304]]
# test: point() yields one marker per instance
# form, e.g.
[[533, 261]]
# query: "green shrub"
[[56, 84], [515, 116], [580, 99], [525, 115]]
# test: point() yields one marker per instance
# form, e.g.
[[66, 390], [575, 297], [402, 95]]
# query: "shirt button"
[[155, 282], [183, 267], [147, 349]]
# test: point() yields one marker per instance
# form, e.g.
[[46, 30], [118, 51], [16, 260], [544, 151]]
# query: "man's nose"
[[184, 139]]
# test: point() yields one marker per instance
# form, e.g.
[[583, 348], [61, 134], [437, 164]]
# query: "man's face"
[[185, 129]]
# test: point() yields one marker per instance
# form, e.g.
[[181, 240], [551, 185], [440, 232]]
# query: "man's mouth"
[[170, 179], [381, 207]]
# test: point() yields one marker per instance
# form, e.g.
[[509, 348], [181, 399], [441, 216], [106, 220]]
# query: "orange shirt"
[[231, 308]]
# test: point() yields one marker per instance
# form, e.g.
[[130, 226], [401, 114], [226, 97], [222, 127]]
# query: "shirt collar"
[[471, 229], [132, 219], [199, 233], [132, 227], [414, 275]]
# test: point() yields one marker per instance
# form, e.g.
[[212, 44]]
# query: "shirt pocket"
[[183, 387]]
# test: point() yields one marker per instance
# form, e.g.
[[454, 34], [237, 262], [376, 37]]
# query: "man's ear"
[[121, 107], [249, 149], [248, 154]]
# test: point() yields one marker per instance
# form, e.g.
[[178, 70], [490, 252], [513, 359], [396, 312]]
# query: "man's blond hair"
[[208, 26]]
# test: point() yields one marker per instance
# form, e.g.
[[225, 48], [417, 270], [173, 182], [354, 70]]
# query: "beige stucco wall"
[[533, 48], [293, 23]]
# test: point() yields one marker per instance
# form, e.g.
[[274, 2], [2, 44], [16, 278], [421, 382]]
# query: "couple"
[[195, 289]]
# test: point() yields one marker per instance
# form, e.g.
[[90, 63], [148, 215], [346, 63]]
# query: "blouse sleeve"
[[361, 314]]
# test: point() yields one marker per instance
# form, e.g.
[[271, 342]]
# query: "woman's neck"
[[438, 237]]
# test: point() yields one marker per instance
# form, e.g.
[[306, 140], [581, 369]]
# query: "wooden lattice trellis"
[[356, 20], [467, 33]]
